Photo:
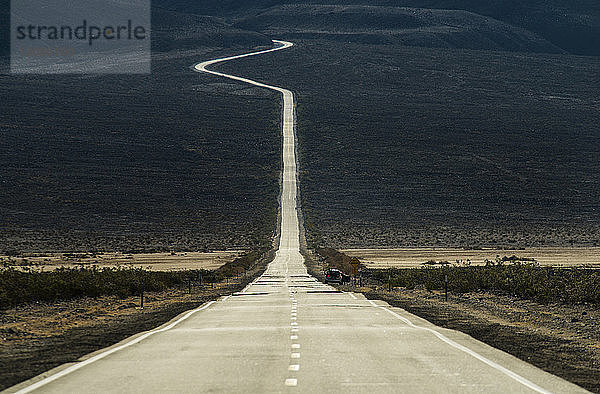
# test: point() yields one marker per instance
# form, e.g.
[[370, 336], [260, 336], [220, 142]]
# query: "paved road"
[[288, 332]]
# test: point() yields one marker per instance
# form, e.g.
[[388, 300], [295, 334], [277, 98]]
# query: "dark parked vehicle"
[[333, 275]]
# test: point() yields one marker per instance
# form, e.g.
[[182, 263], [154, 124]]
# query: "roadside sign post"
[[355, 264], [446, 286], [142, 294]]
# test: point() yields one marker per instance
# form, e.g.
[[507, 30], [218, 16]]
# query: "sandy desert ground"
[[174, 261], [414, 257]]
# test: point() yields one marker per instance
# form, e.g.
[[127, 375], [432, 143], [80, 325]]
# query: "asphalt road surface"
[[287, 332]]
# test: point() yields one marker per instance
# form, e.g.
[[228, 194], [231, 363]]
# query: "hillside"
[[173, 159], [572, 25], [504, 144], [406, 146], [172, 30], [177, 30], [393, 25]]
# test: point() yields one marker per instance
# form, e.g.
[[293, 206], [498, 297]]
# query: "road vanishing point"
[[287, 332]]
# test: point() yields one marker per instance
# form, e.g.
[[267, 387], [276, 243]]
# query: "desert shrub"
[[22, 286], [529, 281]]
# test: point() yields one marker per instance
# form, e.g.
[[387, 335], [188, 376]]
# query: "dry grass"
[[36, 337], [42, 320]]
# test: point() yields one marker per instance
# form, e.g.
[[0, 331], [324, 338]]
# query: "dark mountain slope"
[[573, 25], [405, 146], [407, 26], [172, 30]]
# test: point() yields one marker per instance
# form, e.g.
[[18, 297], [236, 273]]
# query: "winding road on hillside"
[[288, 332]]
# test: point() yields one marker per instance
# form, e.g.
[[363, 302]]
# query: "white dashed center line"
[[293, 337]]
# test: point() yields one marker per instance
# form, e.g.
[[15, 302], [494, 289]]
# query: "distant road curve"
[[289, 237], [201, 67]]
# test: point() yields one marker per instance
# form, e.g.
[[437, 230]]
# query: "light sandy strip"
[[465, 349], [100, 356]]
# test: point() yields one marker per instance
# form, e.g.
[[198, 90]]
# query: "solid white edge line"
[[470, 352], [97, 357]]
